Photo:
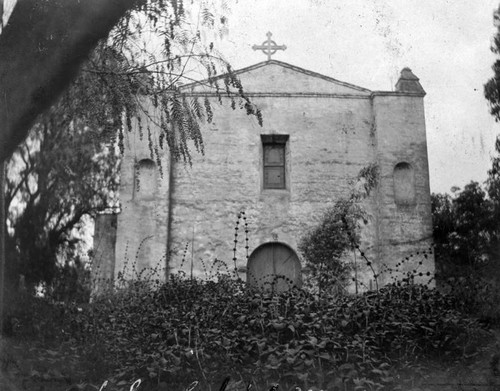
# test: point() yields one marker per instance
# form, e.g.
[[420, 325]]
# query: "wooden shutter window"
[[274, 161]]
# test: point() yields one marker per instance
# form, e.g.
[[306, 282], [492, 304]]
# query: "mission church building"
[[318, 133]]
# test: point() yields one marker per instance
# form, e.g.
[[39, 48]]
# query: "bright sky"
[[446, 43]]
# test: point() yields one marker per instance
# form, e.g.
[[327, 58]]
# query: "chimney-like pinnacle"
[[408, 82]]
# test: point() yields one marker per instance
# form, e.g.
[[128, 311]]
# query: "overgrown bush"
[[325, 245], [190, 330], [476, 292], [35, 318]]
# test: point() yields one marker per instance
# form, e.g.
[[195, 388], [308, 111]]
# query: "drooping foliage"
[[156, 48], [67, 168]]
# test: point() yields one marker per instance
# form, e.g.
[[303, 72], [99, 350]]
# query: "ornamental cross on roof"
[[269, 47]]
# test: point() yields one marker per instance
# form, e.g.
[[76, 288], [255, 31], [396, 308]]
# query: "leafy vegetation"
[[57, 178], [467, 225], [193, 330], [466, 237], [325, 245], [67, 169], [187, 329], [172, 334], [465, 228]]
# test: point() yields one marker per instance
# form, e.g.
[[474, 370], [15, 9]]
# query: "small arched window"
[[145, 179], [404, 184]]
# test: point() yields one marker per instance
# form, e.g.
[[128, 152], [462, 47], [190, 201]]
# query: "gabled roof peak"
[[288, 66]]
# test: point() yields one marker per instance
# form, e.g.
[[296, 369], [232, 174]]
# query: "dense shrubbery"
[[466, 229], [190, 330], [325, 245], [467, 242], [476, 293]]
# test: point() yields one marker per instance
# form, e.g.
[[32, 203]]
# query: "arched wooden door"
[[274, 265]]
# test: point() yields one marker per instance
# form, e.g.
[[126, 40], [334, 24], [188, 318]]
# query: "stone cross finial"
[[269, 47]]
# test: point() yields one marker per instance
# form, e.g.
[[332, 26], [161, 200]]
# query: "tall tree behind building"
[[465, 229], [492, 94]]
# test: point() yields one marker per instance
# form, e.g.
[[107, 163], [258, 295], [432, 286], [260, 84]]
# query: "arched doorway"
[[275, 266]]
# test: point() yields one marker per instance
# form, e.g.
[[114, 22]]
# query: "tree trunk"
[[41, 49]]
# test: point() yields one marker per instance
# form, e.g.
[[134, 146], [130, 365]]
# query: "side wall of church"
[[405, 219], [143, 220], [330, 140]]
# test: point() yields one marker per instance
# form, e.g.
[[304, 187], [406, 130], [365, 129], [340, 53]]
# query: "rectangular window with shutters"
[[274, 151]]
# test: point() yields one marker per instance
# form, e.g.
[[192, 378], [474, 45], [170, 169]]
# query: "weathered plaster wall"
[[403, 229], [330, 141], [334, 130], [142, 223]]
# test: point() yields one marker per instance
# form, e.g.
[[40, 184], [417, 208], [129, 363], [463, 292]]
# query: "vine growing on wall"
[[370, 174], [326, 245]]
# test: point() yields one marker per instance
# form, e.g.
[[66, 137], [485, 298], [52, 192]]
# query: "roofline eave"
[[276, 62]]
